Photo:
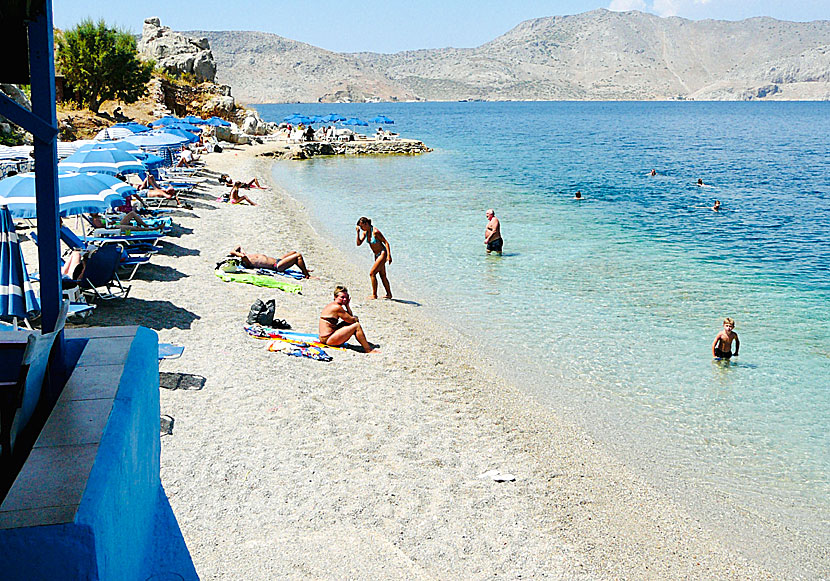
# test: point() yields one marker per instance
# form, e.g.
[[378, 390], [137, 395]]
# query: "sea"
[[605, 308]]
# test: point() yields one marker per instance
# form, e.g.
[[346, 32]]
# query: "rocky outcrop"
[[8, 129], [311, 149], [176, 53], [598, 55]]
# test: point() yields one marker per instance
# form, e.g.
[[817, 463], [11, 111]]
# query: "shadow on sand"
[[155, 315]]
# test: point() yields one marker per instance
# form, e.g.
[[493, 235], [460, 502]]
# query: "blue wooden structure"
[[41, 122]]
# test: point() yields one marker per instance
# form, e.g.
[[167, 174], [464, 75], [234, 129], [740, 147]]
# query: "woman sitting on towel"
[[278, 264], [254, 183], [236, 198], [338, 324]]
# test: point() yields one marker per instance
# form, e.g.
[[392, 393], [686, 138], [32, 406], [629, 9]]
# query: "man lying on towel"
[[279, 264]]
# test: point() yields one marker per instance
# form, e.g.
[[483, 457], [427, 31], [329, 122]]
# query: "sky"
[[393, 25]]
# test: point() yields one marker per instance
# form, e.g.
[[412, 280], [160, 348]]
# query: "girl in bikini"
[[338, 324], [383, 254]]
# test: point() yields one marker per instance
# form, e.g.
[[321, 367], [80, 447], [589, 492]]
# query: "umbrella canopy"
[[355, 121], [149, 160], [217, 122], [380, 119], [187, 135], [189, 127], [315, 119], [155, 139], [166, 120], [17, 298], [193, 119], [15, 153], [133, 126], [332, 118], [106, 159], [113, 133], [78, 193], [296, 119]]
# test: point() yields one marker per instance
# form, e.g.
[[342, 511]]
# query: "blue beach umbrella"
[[297, 120], [189, 127], [148, 159], [17, 298], [380, 119], [190, 137], [193, 119], [355, 121], [166, 120], [108, 160], [217, 122], [156, 139], [333, 118], [78, 193], [315, 119], [132, 126]]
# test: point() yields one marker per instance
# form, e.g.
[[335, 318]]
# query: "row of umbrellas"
[[297, 119], [86, 183]]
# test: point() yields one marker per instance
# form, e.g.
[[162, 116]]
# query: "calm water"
[[610, 305]]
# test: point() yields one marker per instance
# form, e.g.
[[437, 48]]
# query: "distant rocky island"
[[597, 55]]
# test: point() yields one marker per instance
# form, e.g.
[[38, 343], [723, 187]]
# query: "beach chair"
[[131, 257], [20, 396], [100, 276]]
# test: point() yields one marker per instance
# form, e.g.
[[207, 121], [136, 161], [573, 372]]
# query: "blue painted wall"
[[121, 494]]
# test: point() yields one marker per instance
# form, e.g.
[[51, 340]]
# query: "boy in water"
[[722, 345]]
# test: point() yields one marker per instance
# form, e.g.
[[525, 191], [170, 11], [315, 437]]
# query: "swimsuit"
[[495, 245], [722, 354]]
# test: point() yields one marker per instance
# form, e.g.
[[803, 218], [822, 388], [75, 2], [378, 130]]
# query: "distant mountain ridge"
[[597, 55]]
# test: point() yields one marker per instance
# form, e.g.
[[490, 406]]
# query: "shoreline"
[[278, 456]]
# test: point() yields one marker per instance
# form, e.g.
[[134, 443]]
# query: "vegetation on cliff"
[[101, 63]]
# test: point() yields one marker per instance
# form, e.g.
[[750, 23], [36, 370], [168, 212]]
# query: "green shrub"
[[101, 63]]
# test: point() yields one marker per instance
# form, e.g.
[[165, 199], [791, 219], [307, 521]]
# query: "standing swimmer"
[[722, 345], [492, 234], [383, 254]]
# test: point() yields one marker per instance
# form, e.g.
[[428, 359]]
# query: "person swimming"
[[716, 207], [578, 195]]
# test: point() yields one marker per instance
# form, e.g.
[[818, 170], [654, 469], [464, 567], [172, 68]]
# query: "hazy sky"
[[391, 26]]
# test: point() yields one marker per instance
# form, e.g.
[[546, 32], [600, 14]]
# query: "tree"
[[101, 63]]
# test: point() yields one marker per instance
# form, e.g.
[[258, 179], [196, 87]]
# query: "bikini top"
[[374, 239]]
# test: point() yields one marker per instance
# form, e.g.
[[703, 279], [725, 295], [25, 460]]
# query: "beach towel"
[[290, 273], [260, 280], [305, 350], [271, 334]]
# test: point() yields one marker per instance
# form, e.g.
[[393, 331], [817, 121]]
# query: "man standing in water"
[[492, 234]]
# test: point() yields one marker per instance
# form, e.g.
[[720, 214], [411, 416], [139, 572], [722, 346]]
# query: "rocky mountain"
[[597, 55]]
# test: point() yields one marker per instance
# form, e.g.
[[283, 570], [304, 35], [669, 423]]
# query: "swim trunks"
[[723, 354], [495, 245]]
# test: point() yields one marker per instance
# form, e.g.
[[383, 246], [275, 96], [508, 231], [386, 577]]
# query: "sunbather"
[[293, 258], [254, 183], [338, 324], [74, 267], [124, 224], [151, 186], [235, 198]]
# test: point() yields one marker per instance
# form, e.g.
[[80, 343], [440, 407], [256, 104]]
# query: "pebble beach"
[[375, 466]]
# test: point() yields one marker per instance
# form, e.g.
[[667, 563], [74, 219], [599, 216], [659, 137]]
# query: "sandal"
[[280, 324]]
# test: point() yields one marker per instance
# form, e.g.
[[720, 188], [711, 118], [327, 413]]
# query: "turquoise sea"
[[606, 308]]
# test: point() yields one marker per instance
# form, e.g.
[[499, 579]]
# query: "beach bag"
[[228, 265], [262, 313]]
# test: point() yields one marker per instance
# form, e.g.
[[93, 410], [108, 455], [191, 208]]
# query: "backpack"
[[262, 313]]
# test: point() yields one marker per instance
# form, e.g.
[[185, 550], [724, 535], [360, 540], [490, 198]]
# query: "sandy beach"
[[367, 467]]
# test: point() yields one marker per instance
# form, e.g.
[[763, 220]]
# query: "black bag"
[[262, 313], [217, 148]]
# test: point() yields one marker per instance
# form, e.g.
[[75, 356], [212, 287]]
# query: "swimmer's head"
[[578, 194], [364, 222], [729, 321]]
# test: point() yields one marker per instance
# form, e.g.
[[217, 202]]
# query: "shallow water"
[[615, 300]]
